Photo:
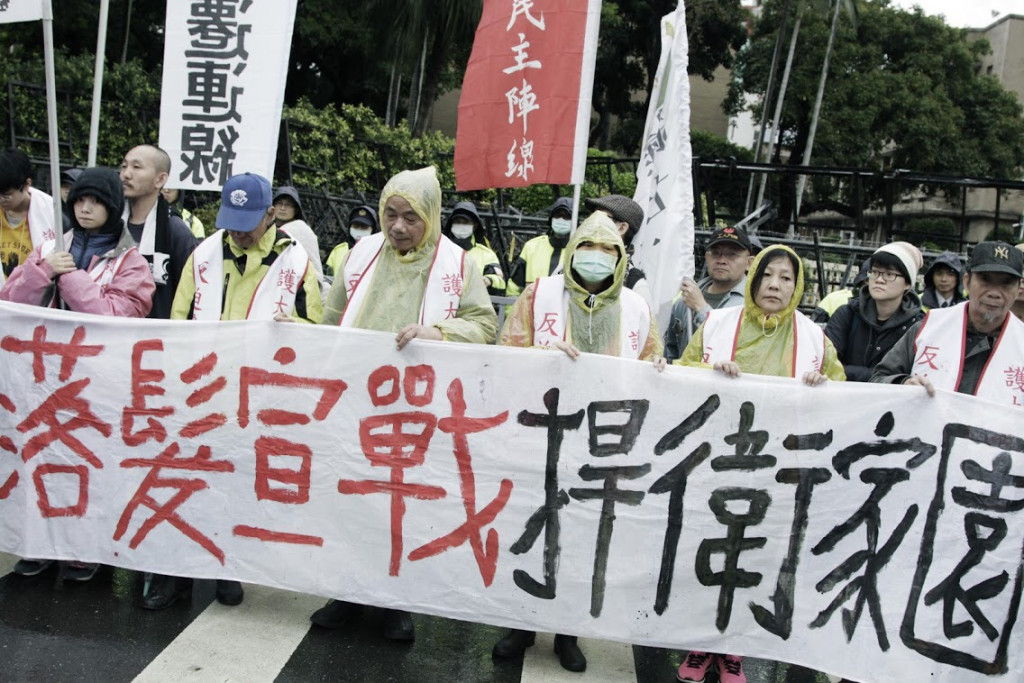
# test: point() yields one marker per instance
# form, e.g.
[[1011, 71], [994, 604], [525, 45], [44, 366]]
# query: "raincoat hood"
[[105, 185], [949, 260], [423, 192], [599, 229], [753, 312]]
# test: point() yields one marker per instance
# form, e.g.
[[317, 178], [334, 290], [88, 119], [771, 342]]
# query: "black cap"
[[620, 208], [996, 257], [731, 236], [364, 215]]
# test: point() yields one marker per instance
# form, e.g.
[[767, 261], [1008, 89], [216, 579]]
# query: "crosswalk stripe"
[[607, 662], [251, 642]]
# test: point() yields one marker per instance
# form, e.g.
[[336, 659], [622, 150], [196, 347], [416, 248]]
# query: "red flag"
[[524, 113]]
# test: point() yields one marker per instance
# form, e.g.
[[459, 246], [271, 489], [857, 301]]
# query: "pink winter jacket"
[[128, 295]]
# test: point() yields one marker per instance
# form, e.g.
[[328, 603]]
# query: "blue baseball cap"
[[243, 202]]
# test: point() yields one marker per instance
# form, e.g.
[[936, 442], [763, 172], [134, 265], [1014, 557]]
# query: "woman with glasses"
[[864, 329]]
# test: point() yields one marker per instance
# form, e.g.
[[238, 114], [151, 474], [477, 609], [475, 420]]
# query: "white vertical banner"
[[12, 11], [225, 67], [664, 189]]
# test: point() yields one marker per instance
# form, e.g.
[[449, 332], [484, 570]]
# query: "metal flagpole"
[[51, 120], [97, 82]]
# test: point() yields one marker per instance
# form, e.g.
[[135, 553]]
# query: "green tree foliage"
[[903, 90], [629, 52]]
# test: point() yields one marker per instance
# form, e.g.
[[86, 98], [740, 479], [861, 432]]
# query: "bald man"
[[163, 238]]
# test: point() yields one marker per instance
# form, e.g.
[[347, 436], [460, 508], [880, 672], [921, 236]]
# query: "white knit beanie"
[[908, 255]]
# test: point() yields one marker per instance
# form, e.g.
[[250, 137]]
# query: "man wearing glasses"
[[27, 217]]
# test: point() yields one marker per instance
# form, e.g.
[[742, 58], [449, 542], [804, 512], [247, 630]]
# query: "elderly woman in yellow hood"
[[409, 279], [767, 336], [586, 308]]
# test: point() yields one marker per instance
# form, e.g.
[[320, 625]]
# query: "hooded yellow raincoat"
[[758, 353], [399, 281], [593, 319]]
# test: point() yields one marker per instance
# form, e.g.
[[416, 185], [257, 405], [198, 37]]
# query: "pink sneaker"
[[694, 667], [730, 669]]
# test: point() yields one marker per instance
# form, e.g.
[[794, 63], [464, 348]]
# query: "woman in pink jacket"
[[102, 272]]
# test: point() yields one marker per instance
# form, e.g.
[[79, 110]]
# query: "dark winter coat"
[[861, 340]]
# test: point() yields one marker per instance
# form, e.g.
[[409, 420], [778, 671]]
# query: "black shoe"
[[78, 571], [335, 614], [27, 567], [229, 593], [398, 625], [164, 591], [569, 653], [514, 644]]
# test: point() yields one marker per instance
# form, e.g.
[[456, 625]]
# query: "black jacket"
[[860, 340]]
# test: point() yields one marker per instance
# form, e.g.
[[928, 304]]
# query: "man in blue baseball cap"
[[247, 270]]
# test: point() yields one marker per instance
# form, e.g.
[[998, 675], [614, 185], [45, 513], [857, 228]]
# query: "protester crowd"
[[130, 249]]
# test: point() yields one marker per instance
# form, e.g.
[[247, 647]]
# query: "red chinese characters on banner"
[[54, 421], [276, 480], [523, 90], [401, 440]]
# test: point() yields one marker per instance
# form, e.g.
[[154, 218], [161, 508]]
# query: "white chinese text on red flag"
[[524, 112]]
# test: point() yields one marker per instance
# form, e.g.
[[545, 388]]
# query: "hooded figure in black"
[[950, 272], [105, 185], [465, 227]]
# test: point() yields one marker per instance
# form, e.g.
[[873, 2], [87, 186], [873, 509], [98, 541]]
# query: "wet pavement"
[[56, 631]]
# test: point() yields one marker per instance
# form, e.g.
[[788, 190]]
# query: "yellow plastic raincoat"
[[399, 280], [593, 321], [756, 352]]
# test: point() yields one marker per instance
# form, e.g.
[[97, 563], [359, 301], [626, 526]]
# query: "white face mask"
[[359, 233], [462, 230], [561, 226]]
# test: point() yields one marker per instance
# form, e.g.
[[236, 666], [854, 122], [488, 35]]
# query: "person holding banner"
[[586, 309], [974, 347], [543, 255], [26, 221], [163, 238], [414, 282], [767, 336], [101, 273], [465, 228]]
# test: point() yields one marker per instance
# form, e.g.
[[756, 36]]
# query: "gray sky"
[[966, 13]]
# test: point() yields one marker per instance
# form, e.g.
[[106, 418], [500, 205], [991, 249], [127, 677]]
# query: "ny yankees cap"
[[243, 202], [996, 257]]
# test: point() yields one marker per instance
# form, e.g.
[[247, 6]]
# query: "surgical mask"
[[594, 266], [359, 233], [561, 226], [462, 230]]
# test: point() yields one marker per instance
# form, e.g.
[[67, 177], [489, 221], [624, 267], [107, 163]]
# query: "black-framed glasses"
[[885, 276]]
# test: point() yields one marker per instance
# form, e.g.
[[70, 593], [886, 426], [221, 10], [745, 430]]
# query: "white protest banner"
[[864, 530], [524, 112], [12, 11], [664, 188], [225, 67]]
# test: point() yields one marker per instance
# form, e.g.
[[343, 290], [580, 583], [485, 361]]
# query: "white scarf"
[[550, 319], [939, 355], [444, 281], [722, 332], [40, 221], [275, 293]]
